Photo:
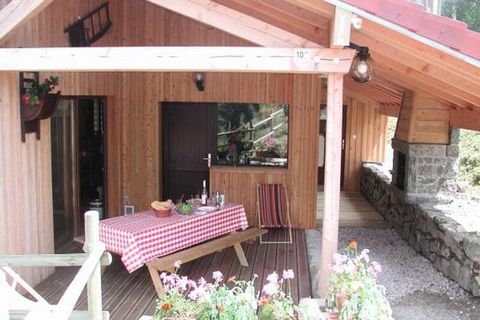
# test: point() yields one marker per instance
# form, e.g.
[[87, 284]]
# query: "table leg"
[[240, 254]]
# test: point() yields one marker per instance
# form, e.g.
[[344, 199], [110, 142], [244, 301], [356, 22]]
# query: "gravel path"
[[410, 280]]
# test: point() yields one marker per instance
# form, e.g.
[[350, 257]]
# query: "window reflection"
[[252, 134]]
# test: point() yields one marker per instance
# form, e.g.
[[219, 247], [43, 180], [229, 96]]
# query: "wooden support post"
[[94, 284], [333, 162]]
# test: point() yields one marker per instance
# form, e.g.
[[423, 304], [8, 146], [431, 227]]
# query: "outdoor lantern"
[[199, 79], [362, 66]]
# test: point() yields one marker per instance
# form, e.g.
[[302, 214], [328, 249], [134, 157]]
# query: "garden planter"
[[50, 105], [30, 113], [46, 106]]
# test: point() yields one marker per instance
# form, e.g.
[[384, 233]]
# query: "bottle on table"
[[204, 193]]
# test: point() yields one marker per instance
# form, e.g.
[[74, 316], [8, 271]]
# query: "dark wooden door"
[[189, 135], [322, 131]]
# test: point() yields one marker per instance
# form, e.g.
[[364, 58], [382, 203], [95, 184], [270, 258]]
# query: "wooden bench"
[[166, 263]]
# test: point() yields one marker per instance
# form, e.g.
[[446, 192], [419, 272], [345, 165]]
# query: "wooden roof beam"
[[281, 19], [216, 59], [423, 51], [319, 7], [373, 93], [407, 83], [418, 62], [236, 23], [16, 13], [448, 89], [299, 12], [465, 119]]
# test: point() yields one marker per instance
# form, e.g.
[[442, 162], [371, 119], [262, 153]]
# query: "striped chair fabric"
[[272, 206]]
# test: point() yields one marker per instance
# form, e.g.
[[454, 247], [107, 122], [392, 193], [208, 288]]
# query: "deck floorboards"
[[129, 296], [355, 211]]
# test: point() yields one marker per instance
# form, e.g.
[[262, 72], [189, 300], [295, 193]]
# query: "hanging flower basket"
[[49, 105], [30, 112], [37, 102]]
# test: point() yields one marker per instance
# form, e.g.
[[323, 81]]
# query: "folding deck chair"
[[273, 210]]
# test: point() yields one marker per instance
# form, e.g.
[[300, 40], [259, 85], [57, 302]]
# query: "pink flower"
[[202, 281], [192, 284], [339, 258], [350, 267], [377, 268], [273, 277], [270, 288], [270, 142], [182, 283], [288, 274], [217, 276], [364, 255], [177, 264], [26, 99]]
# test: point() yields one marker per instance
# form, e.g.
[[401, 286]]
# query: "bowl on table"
[[185, 208]]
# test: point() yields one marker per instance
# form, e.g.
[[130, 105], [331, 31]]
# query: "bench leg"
[[157, 282], [240, 254]]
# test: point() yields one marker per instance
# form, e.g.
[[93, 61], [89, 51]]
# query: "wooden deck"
[[128, 296], [355, 211]]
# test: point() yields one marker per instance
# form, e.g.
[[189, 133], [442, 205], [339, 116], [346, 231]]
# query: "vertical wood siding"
[[26, 219], [133, 119], [365, 138]]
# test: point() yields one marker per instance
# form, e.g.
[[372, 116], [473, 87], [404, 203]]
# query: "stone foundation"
[[452, 250]]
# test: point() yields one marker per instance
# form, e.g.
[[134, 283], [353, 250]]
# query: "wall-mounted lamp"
[[199, 79], [362, 66]]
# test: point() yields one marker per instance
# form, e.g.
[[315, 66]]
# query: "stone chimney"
[[419, 170]]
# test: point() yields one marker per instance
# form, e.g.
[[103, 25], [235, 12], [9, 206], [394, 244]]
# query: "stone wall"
[[452, 250], [427, 167]]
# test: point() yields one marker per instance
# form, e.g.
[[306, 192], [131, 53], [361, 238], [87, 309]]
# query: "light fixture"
[[362, 66], [199, 79]]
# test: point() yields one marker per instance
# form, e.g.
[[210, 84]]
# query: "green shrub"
[[470, 156]]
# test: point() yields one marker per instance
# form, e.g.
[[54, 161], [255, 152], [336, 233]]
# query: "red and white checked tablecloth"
[[142, 236]]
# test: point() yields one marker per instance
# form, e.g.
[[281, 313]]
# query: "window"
[[252, 134]]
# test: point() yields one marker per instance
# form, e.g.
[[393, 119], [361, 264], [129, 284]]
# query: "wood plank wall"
[[240, 184], [133, 112], [301, 92], [422, 120], [26, 219], [365, 138]]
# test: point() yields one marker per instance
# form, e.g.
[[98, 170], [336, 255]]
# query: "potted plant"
[[276, 302], [37, 102], [354, 290], [225, 300]]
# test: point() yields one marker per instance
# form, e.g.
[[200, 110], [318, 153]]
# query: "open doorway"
[[322, 146], [78, 164]]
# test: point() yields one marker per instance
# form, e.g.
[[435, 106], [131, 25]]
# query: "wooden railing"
[[252, 128], [89, 274]]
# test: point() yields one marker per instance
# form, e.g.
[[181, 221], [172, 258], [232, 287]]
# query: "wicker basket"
[[163, 213]]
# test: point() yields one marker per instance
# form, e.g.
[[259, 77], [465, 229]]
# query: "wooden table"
[[142, 238]]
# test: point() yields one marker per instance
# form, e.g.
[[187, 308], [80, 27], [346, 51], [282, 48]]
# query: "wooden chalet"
[[293, 52]]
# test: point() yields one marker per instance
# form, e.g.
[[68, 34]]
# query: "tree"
[[467, 11]]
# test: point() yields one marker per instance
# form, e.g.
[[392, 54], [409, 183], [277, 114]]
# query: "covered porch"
[[131, 295], [286, 51]]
